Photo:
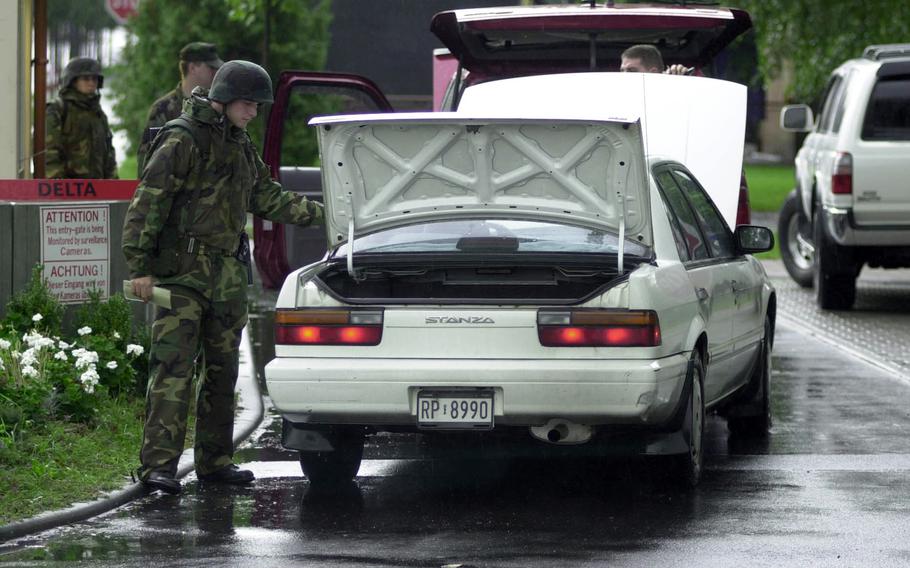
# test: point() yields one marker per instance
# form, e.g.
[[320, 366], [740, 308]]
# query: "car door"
[[289, 148], [811, 156], [745, 281], [710, 276]]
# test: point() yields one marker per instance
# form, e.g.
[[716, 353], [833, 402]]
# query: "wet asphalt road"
[[831, 487]]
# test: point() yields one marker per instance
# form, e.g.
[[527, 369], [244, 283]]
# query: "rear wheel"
[[339, 466], [753, 419], [689, 465], [795, 234], [834, 274]]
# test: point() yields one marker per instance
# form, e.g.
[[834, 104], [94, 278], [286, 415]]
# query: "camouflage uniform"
[[163, 110], [78, 137], [169, 106], [208, 285]]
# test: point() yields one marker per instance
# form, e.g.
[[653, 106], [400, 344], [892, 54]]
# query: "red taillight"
[[598, 328], [842, 174], [328, 327], [743, 211]]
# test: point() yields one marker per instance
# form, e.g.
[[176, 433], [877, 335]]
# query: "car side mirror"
[[796, 118], [751, 239]]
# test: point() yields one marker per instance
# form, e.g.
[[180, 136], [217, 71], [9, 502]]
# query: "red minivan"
[[482, 44]]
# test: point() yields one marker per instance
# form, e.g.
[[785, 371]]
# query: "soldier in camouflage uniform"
[[78, 137], [185, 231], [198, 63]]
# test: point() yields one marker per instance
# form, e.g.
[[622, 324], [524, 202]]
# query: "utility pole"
[[40, 87]]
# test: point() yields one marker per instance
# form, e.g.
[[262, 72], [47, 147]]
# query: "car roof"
[[549, 38]]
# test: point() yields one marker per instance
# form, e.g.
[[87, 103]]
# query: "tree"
[[298, 31], [76, 27], [818, 35]]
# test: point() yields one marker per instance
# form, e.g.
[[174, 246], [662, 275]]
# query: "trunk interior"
[[498, 284]]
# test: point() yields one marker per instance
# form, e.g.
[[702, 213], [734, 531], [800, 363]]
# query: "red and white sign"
[[67, 189], [122, 10], [75, 251]]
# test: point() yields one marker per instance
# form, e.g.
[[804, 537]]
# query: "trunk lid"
[[384, 171], [510, 41]]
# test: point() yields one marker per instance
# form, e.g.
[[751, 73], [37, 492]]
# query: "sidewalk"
[[248, 416]]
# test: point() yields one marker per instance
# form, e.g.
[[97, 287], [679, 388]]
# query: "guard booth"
[[70, 226]]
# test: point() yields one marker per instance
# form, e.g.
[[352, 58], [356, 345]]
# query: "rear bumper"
[[383, 392], [842, 226]]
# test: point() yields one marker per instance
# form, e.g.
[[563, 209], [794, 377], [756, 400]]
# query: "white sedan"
[[536, 273]]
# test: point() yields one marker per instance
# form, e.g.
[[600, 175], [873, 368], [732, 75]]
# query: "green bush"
[[112, 318], [44, 376], [35, 300]]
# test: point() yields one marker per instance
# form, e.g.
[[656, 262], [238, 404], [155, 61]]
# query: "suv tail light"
[[328, 327], [743, 211], [598, 328], [842, 174]]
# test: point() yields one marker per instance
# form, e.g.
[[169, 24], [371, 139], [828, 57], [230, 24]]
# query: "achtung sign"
[[76, 250]]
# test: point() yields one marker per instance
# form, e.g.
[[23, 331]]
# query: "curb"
[[246, 420]]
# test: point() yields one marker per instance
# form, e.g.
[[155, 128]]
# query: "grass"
[[56, 464], [127, 168], [769, 185]]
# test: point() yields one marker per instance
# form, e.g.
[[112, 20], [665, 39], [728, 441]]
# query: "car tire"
[[336, 467], [755, 420], [834, 274], [795, 234], [688, 466]]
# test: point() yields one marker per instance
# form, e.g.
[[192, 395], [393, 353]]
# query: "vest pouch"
[[165, 263], [167, 260]]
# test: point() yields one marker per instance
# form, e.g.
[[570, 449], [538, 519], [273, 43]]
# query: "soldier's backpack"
[[166, 260]]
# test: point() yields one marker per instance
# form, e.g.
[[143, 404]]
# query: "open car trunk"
[[494, 281]]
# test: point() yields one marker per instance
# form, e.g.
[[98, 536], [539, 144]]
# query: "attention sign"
[[75, 250]]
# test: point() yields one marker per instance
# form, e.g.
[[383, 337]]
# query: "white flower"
[[32, 338], [84, 330], [2, 366], [89, 379], [63, 344], [133, 349], [85, 358], [60, 356], [44, 342], [111, 365], [28, 357], [37, 317], [29, 371], [15, 354], [4, 344], [116, 335]]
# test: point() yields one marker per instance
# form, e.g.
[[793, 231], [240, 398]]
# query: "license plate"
[[455, 410]]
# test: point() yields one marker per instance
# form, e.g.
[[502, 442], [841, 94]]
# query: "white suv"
[[851, 204]]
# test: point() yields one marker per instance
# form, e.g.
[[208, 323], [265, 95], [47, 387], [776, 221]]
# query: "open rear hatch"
[[512, 41]]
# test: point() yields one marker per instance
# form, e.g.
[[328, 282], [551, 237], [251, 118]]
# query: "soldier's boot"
[[163, 481], [231, 475]]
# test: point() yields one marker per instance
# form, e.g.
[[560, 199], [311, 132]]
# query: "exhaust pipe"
[[561, 431]]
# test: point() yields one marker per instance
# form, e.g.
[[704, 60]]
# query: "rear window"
[[888, 113], [491, 235]]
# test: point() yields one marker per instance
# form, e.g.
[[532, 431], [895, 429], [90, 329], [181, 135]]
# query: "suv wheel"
[[835, 273], [337, 467], [797, 250]]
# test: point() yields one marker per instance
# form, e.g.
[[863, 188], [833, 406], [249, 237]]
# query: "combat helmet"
[[241, 80], [82, 66]]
